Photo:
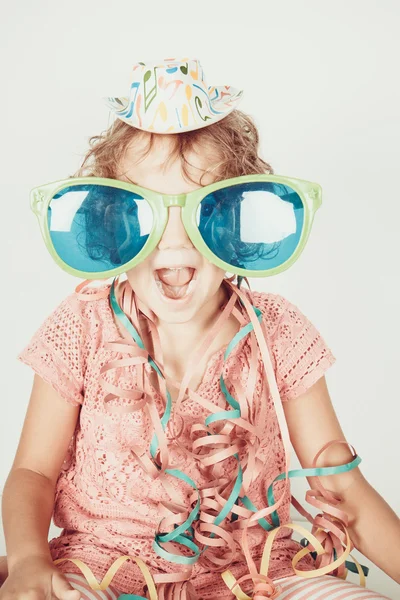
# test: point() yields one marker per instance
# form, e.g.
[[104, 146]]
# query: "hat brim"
[[225, 96], [223, 100]]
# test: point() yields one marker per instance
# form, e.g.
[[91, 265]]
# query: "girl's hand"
[[3, 569], [37, 578]]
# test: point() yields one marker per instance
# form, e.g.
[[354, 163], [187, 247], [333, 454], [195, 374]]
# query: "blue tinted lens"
[[96, 228], [255, 226]]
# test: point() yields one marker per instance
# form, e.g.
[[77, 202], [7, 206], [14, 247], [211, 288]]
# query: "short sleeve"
[[56, 351], [301, 353]]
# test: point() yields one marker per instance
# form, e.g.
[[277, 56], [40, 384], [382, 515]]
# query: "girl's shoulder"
[[300, 351], [275, 309], [68, 338], [91, 304], [272, 305]]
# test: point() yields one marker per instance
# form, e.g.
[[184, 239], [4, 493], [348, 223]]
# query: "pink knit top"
[[105, 503]]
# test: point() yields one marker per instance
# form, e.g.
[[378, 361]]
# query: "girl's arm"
[[374, 527], [28, 496]]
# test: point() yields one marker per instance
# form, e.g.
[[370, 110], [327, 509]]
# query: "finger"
[[62, 589], [3, 569]]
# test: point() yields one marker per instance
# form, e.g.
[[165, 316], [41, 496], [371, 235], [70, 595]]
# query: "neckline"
[[216, 356]]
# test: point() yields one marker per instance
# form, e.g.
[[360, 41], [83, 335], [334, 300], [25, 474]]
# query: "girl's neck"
[[179, 340], [193, 330]]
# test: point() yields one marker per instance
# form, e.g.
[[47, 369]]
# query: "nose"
[[175, 235]]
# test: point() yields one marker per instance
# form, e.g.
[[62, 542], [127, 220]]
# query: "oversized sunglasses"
[[253, 225]]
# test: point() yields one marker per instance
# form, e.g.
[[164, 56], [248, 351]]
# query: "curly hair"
[[234, 138]]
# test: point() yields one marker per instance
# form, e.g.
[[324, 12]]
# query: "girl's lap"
[[292, 588], [324, 588]]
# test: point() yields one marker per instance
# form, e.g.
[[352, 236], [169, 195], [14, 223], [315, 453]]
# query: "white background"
[[321, 80]]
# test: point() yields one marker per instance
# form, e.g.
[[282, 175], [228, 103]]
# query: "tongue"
[[175, 277]]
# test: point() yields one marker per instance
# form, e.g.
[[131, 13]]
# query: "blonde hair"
[[234, 140]]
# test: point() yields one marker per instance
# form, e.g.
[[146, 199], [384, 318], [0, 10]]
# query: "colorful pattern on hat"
[[171, 96]]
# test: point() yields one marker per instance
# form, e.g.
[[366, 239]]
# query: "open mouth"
[[176, 283]]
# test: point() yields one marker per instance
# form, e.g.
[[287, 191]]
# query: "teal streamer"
[[236, 339], [318, 471], [250, 506], [351, 566], [167, 537], [223, 414], [178, 535], [123, 318], [234, 495], [178, 559], [135, 334], [230, 399]]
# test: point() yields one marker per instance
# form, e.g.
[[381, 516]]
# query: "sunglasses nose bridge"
[[174, 200]]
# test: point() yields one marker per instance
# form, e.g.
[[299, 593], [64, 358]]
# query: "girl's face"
[[175, 281]]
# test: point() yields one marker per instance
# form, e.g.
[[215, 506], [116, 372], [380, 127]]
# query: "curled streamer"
[[205, 528]]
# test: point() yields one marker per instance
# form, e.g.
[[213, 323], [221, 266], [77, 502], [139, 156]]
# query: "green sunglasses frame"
[[310, 194]]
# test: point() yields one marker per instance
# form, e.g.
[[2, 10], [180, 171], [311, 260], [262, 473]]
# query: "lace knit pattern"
[[105, 503]]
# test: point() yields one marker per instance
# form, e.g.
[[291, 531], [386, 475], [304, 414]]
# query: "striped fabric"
[[324, 588], [293, 588], [79, 583]]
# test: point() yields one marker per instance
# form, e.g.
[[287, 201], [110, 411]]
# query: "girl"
[[163, 403]]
